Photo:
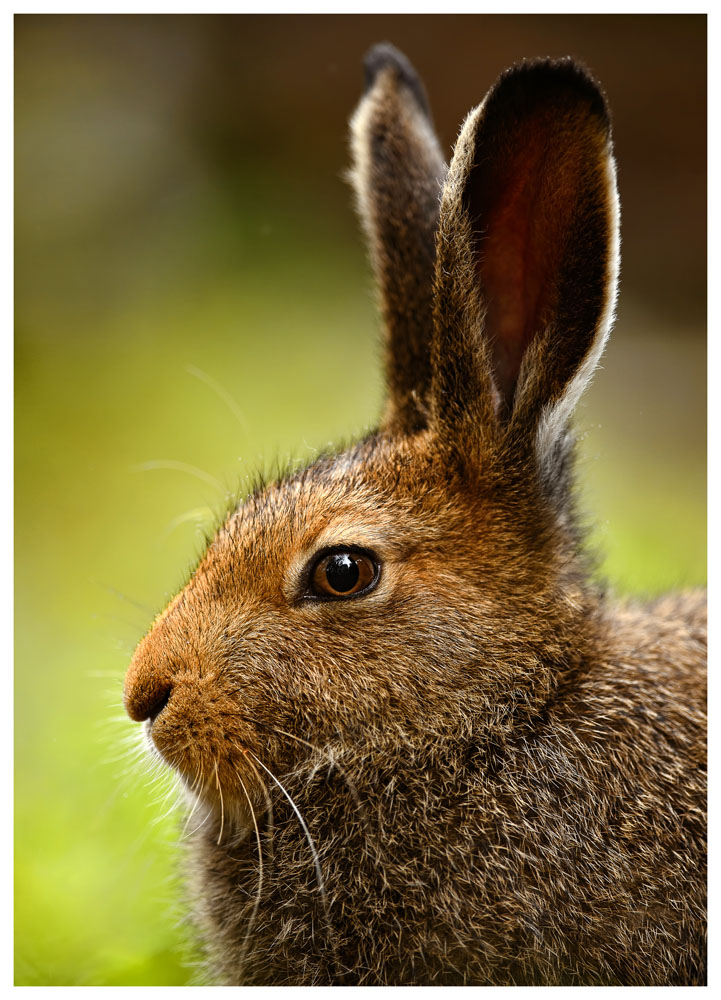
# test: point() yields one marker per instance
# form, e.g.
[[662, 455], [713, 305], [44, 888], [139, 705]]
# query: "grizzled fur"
[[479, 771]]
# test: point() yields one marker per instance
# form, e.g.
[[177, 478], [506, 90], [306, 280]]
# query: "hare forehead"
[[343, 491], [296, 521]]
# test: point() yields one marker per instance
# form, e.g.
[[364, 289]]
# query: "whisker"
[[256, 905], [328, 752], [172, 465], [208, 814], [171, 796], [222, 809], [306, 831], [193, 792], [201, 515], [125, 598], [270, 825], [222, 392], [316, 861]]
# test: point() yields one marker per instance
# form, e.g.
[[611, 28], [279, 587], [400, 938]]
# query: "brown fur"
[[501, 772]]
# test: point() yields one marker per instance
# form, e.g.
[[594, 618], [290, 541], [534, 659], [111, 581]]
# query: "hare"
[[420, 744]]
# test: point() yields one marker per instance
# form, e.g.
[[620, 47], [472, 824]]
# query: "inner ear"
[[523, 199]]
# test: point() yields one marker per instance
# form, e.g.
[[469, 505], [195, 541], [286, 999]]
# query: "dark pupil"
[[342, 573]]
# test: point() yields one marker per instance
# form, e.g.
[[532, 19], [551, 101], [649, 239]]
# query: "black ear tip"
[[551, 81], [387, 56]]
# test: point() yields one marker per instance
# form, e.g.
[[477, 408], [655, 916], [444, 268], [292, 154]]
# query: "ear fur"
[[397, 172], [527, 260]]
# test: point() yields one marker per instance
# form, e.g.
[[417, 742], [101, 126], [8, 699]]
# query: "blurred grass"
[[123, 327]]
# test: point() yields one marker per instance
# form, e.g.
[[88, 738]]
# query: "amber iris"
[[342, 574]]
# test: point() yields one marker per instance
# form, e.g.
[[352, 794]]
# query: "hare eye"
[[343, 574]]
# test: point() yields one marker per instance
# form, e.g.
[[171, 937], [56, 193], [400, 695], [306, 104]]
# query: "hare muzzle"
[[175, 686], [148, 685]]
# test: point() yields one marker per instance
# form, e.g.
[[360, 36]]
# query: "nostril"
[[143, 701], [160, 704], [150, 677]]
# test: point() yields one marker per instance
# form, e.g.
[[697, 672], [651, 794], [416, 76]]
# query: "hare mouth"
[[207, 761]]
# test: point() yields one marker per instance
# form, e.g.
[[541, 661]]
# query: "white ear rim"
[[360, 173], [556, 415]]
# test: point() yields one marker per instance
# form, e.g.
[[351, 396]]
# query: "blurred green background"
[[193, 303]]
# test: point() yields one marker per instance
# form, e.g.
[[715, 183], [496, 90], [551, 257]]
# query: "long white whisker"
[[146, 609], [200, 825], [170, 796], [201, 516], [268, 803], [258, 896], [221, 392], [306, 831], [175, 466], [195, 793], [222, 809], [333, 762]]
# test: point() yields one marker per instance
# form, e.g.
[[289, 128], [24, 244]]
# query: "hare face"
[[252, 654]]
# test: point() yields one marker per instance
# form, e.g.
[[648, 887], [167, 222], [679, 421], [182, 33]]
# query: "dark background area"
[[166, 99]]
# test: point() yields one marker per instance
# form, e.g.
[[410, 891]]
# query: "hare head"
[[401, 607], [432, 562]]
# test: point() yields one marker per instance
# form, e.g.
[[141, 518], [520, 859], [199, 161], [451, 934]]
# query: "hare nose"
[[148, 685], [144, 703]]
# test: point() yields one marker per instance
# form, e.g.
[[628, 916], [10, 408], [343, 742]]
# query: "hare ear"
[[527, 256], [397, 174]]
